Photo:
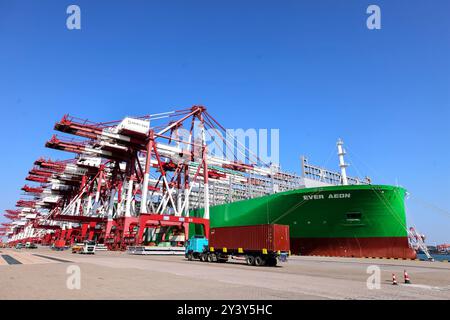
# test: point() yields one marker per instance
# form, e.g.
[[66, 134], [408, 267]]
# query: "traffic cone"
[[394, 281], [405, 275]]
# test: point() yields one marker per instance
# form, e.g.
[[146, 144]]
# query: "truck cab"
[[87, 247], [30, 245], [195, 246]]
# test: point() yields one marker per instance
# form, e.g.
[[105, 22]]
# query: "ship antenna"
[[342, 164]]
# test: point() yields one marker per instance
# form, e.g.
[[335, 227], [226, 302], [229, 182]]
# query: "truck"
[[87, 247], [59, 245], [30, 245], [259, 245]]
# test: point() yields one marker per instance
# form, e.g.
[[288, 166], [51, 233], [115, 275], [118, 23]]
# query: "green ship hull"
[[353, 220]]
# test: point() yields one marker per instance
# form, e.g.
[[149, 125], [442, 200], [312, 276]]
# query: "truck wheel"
[[203, 257], [250, 260], [259, 261], [210, 258], [190, 256]]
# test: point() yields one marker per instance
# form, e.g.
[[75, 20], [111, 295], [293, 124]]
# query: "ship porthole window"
[[353, 216]]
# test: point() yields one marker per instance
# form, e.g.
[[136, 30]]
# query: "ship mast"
[[342, 164]]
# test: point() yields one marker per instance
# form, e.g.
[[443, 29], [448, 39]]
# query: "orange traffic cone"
[[405, 275], [394, 281]]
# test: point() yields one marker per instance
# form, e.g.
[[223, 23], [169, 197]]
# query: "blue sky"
[[310, 68]]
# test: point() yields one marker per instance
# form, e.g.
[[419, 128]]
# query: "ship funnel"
[[342, 164]]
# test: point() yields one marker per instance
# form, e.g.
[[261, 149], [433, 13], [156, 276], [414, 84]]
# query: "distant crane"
[[417, 242]]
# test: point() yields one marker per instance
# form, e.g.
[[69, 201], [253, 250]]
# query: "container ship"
[[329, 214], [351, 221], [152, 181]]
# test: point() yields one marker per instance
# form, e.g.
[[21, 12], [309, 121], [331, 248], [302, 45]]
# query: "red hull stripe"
[[388, 247]]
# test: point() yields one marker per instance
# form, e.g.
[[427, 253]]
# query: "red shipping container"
[[60, 243], [273, 237]]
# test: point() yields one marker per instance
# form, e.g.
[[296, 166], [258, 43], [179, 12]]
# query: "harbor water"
[[437, 257]]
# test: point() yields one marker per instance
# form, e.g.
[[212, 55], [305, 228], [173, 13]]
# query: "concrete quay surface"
[[44, 274]]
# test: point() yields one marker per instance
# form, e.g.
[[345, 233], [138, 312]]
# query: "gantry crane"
[[138, 179]]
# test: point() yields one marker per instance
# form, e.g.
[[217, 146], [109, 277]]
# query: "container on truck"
[[259, 245]]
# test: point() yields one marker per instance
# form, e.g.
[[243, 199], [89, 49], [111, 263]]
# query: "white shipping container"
[[89, 162], [59, 187], [51, 199], [76, 170], [138, 126], [177, 238]]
